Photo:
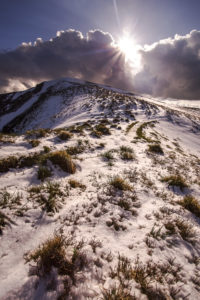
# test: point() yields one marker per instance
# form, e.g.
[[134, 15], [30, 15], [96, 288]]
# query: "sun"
[[128, 46]]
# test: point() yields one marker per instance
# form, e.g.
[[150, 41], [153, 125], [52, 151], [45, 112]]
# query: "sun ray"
[[128, 46]]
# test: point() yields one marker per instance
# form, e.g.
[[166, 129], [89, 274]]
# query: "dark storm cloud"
[[70, 54], [171, 68]]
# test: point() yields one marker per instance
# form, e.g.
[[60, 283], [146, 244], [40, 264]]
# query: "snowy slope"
[[143, 221]]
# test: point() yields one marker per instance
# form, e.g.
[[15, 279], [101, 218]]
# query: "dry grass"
[[43, 173], [155, 148], [63, 160], [191, 204], [63, 254], [175, 180], [65, 135], [34, 143], [76, 184], [119, 183]]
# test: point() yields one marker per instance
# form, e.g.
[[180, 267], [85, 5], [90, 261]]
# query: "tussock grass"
[[4, 221], [175, 180], [38, 133], [8, 163], [48, 195], [130, 126], [191, 204], [76, 184], [34, 143], [155, 148], [75, 150], [63, 160], [126, 153], [43, 173], [186, 229], [46, 149], [62, 253], [119, 183], [65, 135], [108, 155], [100, 129], [140, 130]]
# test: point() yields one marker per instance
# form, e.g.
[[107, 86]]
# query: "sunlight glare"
[[130, 49]]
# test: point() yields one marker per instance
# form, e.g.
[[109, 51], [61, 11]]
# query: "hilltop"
[[99, 195]]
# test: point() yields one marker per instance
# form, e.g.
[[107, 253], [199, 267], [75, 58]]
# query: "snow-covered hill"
[[107, 183]]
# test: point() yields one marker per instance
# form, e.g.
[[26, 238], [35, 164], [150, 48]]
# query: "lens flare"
[[128, 46]]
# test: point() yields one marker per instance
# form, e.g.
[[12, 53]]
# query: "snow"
[[85, 213]]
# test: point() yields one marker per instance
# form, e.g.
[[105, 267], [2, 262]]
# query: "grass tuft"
[[119, 183], [191, 204], [34, 143], [65, 135], [175, 180], [63, 160], [43, 173], [76, 184], [155, 148]]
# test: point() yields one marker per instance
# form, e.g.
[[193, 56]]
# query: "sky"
[[37, 44]]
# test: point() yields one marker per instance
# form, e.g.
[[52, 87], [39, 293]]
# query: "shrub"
[[43, 173], [65, 135], [63, 160], [34, 143], [119, 183], [76, 184], [191, 204], [175, 180], [155, 148]]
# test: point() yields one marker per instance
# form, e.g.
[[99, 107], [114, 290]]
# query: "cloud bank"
[[170, 67], [70, 54]]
